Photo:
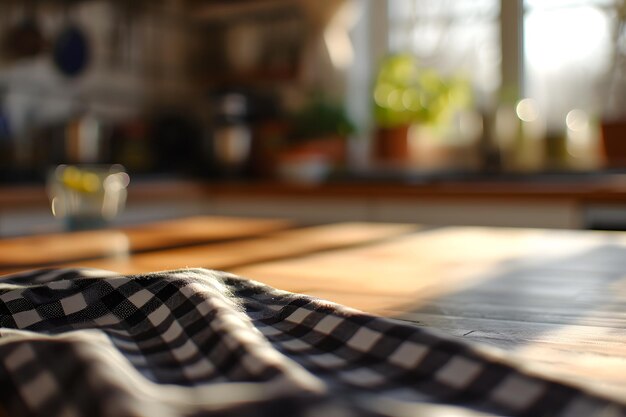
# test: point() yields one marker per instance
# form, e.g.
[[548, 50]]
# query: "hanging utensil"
[[71, 52], [25, 39]]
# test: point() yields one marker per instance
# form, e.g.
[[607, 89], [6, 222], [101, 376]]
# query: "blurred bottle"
[[490, 153], [582, 141], [129, 146], [531, 146], [86, 140], [520, 136], [556, 157], [232, 135], [505, 134]]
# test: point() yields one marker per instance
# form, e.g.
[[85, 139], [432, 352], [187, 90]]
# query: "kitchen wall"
[[134, 56], [172, 63], [149, 60]]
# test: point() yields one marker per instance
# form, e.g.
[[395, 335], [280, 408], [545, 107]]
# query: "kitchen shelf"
[[214, 11]]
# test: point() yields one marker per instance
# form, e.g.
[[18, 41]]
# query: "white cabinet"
[[313, 208], [480, 213], [434, 211]]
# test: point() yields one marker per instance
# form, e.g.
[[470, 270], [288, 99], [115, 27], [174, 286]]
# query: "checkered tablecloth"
[[196, 342]]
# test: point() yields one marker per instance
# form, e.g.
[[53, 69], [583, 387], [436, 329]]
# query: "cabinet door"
[[480, 213], [305, 210]]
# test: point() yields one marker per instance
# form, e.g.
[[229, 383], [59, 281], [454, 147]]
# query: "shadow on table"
[[528, 301]]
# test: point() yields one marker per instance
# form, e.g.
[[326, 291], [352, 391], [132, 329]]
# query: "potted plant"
[[397, 78], [317, 141], [407, 95]]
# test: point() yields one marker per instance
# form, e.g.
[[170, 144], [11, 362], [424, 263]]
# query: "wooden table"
[[555, 299]]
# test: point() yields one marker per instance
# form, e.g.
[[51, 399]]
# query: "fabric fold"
[[197, 342]]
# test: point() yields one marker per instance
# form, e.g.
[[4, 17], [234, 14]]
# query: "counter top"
[[554, 299], [608, 188]]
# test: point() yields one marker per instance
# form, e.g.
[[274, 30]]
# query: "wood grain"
[[555, 300], [55, 249], [279, 245]]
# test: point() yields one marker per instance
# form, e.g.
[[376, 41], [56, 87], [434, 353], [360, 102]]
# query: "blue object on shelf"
[[71, 51]]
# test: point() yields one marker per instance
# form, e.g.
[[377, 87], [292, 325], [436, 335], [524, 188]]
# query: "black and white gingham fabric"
[[205, 343]]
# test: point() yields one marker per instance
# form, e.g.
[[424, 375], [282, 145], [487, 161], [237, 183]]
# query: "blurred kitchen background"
[[207, 103]]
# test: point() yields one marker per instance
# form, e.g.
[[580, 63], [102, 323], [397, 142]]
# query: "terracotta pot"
[[266, 146], [392, 144], [333, 148], [614, 142]]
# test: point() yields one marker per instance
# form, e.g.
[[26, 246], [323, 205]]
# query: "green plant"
[[321, 117], [405, 93]]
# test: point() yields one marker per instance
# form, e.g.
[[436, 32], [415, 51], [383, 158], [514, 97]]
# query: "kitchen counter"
[[605, 188], [550, 201], [554, 299]]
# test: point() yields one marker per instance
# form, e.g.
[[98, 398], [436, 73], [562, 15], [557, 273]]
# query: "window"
[[453, 36], [567, 55], [567, 47]]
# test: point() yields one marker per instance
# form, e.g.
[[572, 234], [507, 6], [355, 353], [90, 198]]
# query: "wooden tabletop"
[[556, 300]]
